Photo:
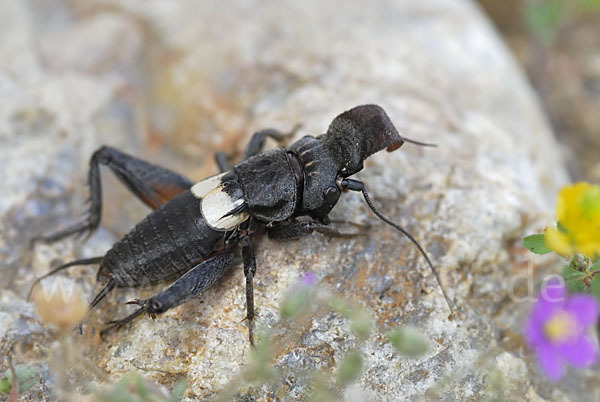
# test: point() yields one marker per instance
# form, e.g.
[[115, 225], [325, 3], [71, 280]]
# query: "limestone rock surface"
[[175, 81]]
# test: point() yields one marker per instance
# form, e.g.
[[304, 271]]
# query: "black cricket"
[[195, 228]]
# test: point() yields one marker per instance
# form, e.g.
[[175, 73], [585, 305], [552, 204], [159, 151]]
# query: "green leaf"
[[340, 306], [260, 370], [544, 18], [142, 387], [408, 341], [121, 391], [350, 368], [574, 279], [295, 302], [28, 377], [536, 244], [320, 389], [178, 391], [588, 6], [361, 323], [595, 286]]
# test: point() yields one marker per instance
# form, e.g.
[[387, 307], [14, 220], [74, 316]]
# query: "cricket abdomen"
[[164, 245]]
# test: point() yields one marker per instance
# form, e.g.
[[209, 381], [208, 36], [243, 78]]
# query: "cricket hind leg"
[[255, 146], [189, 286], [152, 184]]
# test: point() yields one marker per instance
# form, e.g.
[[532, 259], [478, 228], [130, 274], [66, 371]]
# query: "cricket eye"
[[331, 195]]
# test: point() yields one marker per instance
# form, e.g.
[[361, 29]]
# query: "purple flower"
[[557, 330], [309, 279]]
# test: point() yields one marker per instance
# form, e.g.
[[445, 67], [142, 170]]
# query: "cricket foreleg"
[[358, 226], [295, 230], [152, 184]]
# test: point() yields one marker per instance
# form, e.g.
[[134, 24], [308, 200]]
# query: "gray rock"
[[175, 81]]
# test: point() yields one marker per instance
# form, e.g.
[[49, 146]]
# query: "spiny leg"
[[359, 226], [294, 230], [249, 272], [118, 324], [189, 286], [152, 184]]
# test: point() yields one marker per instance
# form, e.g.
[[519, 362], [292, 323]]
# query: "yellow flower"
[[578, 227]]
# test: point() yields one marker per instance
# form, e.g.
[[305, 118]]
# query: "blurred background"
[[558, 44]]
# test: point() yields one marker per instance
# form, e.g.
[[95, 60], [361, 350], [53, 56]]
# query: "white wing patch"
[[204, 187], [217, 205], [216, 208]]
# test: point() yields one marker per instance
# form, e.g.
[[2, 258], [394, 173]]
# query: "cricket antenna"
[[422, 144], [356, 185], [85, 261]]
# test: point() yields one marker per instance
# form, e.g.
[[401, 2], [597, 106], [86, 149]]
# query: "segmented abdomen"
[[164, 245]]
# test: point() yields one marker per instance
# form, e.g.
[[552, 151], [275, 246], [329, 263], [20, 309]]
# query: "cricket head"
[[351, 138], [358, 133]]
